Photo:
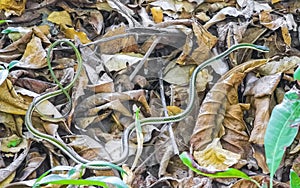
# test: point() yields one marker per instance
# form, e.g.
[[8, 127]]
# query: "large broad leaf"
[[282, 129]]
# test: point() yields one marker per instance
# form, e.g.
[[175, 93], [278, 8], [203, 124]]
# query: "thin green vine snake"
[[125, 138]]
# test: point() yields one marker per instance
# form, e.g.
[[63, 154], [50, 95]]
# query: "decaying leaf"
[[115, 46], [214, 157], [60, 17], [13, 144], [12, 7]]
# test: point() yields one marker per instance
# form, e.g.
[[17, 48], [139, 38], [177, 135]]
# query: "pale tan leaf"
[[282, 65], [34, 56], [8, 148], [214, 157], [286, 35], [10, 101]]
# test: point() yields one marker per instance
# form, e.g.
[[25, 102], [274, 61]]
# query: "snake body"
[[125, 138]]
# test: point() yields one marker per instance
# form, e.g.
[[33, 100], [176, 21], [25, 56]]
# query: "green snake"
[[125, 138]]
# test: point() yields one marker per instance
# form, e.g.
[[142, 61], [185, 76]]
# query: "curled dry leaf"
[[16, 49], [33, 163], [12, 167], [215, 158], [283, 65], [212, 111], [220, 97], [236, 138]]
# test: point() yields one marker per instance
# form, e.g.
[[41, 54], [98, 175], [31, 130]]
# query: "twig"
[[169, 125], [142, 62], [168, 23]]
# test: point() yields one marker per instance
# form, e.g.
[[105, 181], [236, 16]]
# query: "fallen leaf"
[[34, 56], [157, 14], [60, 18], [286, 35], [10, 101], [12, 7], [8, 146], [71, 33], [215, 158]]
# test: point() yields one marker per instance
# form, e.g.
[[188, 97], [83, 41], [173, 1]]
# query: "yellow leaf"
[[286, 35], [71, 33], [157, 14], [13, 7], [60, 17], [173, 110], [275, 1], [214, 157], [10, 101]]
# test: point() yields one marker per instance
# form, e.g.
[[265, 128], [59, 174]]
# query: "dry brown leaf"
[[260, 179], [16, 49], [33, 162], [12, 7], [115, 46], [264, 86], [104, 85], [215, 158], [271, 21], [212, 111], [236, 138]]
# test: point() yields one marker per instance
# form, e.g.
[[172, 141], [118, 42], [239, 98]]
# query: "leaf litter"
[[125, 45]]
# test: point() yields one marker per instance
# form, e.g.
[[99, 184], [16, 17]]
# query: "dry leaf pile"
[[142, 54]]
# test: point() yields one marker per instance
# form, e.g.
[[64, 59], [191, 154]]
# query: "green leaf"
[[12, 64], [99, 181], [104, 164], [110, 180], [297, 74], [14, 142], [57, 168], [281, 130], [4, 21], [294, 179]]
